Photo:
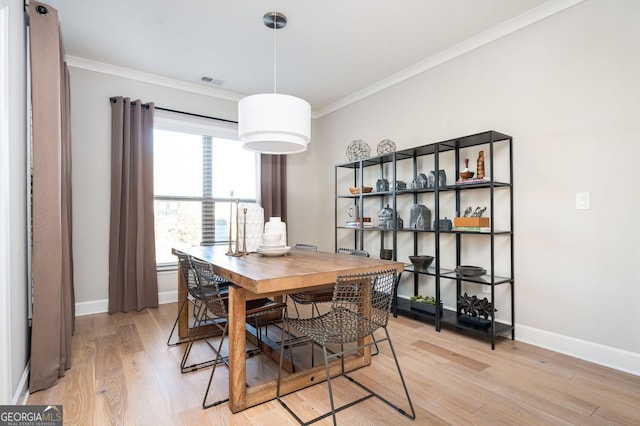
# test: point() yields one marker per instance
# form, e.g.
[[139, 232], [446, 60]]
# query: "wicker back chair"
[[360, 306], [193, 292], [313, 297], [214, 312]]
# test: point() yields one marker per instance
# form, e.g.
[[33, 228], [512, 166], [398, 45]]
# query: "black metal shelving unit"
[[440, 276]]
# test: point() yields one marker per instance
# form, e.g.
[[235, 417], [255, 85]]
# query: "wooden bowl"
[[356, 190], [466, 175]]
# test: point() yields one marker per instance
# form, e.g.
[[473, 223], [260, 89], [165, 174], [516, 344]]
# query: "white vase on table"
[[255, 222], [276, 226]]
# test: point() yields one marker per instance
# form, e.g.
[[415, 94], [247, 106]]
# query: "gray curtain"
[[133, 282], [273, 186], [52, 263]]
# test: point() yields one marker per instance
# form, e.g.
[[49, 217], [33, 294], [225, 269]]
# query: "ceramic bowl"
[[421, 263], [466, 175], [271, 239]]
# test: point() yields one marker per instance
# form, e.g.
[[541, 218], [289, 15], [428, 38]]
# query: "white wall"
[[14, 258], [567, 90]]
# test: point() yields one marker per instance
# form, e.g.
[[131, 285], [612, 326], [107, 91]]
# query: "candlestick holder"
[[237, 252], [244, 231], [230, 251]]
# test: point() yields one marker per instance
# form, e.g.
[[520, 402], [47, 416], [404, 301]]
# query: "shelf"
[[449, 318], [452, 245], [408, 267], [404, 307], [480, 279]]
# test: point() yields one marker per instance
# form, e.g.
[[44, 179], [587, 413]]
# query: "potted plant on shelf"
[[424, 304]]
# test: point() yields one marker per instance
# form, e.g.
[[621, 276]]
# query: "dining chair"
[[315, 297], [360, 306], [192, 294], [310, 297], [215, 312]]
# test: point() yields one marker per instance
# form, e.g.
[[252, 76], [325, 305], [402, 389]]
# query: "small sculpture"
[[385, 146], [382, 185], [420, 217], [480, 171], [420, 182], [357, 150]]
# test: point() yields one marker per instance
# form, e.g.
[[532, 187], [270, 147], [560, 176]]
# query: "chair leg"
[[176, 323], [370, 393], [193, 336], [278, 395], [213, 370], [326, 367], [412, 416]]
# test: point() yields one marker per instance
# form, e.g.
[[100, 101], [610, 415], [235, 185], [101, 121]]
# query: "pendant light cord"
[[275, 49]]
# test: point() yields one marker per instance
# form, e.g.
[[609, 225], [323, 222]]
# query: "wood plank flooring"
[[124, 374]]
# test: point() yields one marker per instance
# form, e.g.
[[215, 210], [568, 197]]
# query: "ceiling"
[[331, 53]]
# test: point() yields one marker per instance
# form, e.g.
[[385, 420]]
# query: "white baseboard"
[[608, 356], [22, 391], [101, 306]]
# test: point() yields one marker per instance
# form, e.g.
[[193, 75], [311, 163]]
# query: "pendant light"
[[271, 123]]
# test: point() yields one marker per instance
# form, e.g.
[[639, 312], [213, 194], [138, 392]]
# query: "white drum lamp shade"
[[274, 124]]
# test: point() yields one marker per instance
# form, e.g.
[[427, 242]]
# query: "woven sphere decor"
[[357, 150], [386, 146]]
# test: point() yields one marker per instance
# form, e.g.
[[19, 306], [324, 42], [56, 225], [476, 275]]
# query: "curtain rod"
[[196, 115], [185, 113]]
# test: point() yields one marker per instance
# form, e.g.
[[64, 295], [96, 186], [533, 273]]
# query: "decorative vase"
[[276, 226], [255, 222]]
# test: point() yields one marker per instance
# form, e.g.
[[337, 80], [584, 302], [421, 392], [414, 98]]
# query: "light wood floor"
[[123, 373]]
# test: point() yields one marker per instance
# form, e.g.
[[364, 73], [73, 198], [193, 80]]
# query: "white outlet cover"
[[583, 200]]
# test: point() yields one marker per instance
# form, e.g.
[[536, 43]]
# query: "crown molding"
[[87, 64], [510, 26]]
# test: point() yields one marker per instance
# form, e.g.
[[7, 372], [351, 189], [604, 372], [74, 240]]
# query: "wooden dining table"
[[255, 276]]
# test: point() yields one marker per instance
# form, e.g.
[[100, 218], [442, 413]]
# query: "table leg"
[[237, 347], [183, 320]]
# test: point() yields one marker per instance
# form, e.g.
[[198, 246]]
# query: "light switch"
[[583, 200]]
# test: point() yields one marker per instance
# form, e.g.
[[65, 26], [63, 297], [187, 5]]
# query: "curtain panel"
[[133, 282], [273, 186], [52, 262]]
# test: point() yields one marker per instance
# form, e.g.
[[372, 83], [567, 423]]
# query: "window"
[[196, 166]]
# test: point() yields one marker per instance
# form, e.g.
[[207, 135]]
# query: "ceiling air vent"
[[211, 80]]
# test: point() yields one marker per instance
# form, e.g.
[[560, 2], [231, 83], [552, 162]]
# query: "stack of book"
[[471, 181], [471, 228], [358, 224]]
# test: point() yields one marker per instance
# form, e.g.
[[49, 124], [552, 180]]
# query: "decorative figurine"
[[420, 217], [480, 171], [382, 185]]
